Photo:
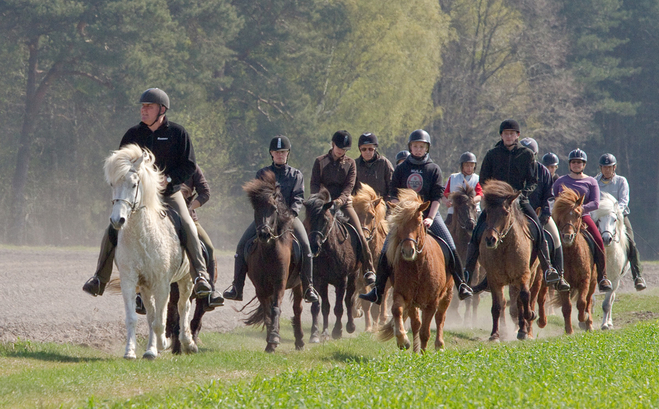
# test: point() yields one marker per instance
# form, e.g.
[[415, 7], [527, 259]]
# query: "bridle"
[[417, 250], [571, 236], [132, 205], [324, 236], [614, 235], [270, 230], [503, 235]]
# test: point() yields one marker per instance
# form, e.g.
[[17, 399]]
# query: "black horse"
[[336, 248]]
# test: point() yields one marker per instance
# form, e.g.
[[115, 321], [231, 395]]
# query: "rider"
[[291, 184], [617, 186], [372, 168], [540, 198], [337, 173], [174, 155], [514, 164], [401, 156], [550, 160], [466, 177], [586, 186], [422, 175]]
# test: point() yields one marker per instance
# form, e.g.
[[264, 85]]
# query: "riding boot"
[[635, 264], [557, 261], [552, 276], [235, 292], [367, 257], [215, 299], [464, 291], [306, 275], [600, 262], [384, 272], [96, 285]]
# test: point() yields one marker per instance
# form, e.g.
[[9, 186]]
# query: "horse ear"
[[391, 205], [424, 206], [375, 203], [580, 200], [138, 162], [327, 205]]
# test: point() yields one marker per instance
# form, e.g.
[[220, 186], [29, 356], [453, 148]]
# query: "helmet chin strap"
[[158, 117]]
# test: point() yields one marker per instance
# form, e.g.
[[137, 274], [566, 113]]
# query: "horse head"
[[320, 219], [567, 214], [407, 231], [135, 182], [370, 209], [270, 211], [465, 211], [609, 219], [502, 211]]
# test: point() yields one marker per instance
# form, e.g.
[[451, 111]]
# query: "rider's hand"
[[427, 222], [544, 218]]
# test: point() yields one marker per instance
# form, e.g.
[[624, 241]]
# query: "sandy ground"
[[41, 299]]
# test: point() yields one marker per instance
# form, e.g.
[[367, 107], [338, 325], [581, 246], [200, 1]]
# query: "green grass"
[[596, 369]]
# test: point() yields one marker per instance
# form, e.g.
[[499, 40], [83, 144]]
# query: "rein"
[[270, 229], [324, 236], [416, 243], [133, 205], [505, 233]]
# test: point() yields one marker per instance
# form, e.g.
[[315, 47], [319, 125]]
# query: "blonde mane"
[[405, 211], [565, 203], [609, 205], [122, 161], [363, 199]]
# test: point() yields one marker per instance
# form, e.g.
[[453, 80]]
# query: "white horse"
[[610, 222], [148, 253]]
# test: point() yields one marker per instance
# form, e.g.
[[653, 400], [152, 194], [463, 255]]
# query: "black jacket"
[[425, 179], [172, 148], [516, 167], [542, 193], [376, 173], [291, 185]]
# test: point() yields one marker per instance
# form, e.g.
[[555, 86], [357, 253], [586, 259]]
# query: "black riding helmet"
[[467, 157], [402, 155], [550, 159], [509, 124], [419, 136], [577, 154], [607, 160], [531, 144], [280, 143], [342, 139], [155, 96], [367, 139]]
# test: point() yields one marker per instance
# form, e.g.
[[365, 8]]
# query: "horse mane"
[[463, 196], [264, 191], [404, 212], [496, 193], [363, 198], [314, 205], [609, 205], [123, 160], [565, 203]]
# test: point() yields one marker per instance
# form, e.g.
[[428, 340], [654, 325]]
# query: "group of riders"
[[511, 160]]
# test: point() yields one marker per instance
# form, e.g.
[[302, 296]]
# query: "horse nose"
[[117, 223], [263, 234], [491, 242], [408, 253], [607, 239]]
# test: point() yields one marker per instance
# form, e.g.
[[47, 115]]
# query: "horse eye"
[[134, 184]]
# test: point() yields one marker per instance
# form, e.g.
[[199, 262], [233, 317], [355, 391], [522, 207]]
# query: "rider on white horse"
[[466, 177], [617, 186], [171, 145]]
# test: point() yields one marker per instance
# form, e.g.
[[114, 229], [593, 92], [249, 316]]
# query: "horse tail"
[[256, 316], [387, 332], [556, 298], [113, 286]]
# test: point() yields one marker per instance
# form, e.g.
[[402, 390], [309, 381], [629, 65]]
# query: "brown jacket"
[[336, 176], [377, 174]]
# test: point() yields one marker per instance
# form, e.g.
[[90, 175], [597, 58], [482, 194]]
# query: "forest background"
[[574, 73]]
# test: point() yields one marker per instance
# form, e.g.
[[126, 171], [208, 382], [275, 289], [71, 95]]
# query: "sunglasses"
[[367, 149]]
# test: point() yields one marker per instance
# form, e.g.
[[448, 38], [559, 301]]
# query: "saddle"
[[591, 243], [296, 258], [448, 254], [175, 218]]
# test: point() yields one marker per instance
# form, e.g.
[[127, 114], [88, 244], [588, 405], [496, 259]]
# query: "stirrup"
[[217, 301], [464, 291], [639, 284], [205, 291], [605, 285], [311, 295], [139, 305], [371, 296], [369, 277], [232, 293], [94, 286], [552, 276]]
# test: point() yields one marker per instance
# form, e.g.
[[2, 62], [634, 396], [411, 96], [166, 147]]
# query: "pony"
[[149, 254], [610, 222], [580, 271], [506, 254], [420, 277], [336, 250], [372, 212], [465, 214], [271, 264]]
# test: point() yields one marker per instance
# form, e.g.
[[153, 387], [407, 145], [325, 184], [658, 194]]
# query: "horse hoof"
[[583, 326], [149, 355], [315, 339], [351, 327], [605, 327], [130, 356], [522, 336], [533, 316], [299, 346], [495, 338], [191, 349], [274, 339], [270, 348], [337, 334]]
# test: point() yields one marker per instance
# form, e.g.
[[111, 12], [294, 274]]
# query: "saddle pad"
[[297, 250]]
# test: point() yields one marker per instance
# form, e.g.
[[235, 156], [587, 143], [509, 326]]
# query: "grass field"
[[600, 369]]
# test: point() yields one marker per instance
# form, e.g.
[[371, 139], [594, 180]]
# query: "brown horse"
[[420, 277], [335, 246], [270, 262], [506, 255], [372, 212], [461, 228], [580, 268]]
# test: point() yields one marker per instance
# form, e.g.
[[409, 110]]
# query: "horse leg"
[[315, 311], [440, 318], [424, 333], [128, 292], [187, 340], [566, 309], [399, 322], [415, 323], [340, 292], [582, 311], [350, 300], [297, 318], [368, 317], [607, 308], [195, 324], [542, 300], [498, 304], [524, 313], [157, 340], [172, 328], [275, 313], [384, 311]]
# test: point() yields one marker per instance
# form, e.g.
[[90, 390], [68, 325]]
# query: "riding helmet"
[[509, 124], [419, 135], [577, 154], [342, 139], [402, 155], [608, 160], [155, 96], [467, 157], [531, 144], [550, 159], [368, 139], [280, 143]]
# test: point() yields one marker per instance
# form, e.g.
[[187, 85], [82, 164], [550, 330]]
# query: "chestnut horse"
[[372, 212], [335, 246], [580, 269], [270, 262], [420, 279], [506, 254], [465, 214]]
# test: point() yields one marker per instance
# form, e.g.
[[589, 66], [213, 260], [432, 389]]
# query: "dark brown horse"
[[420, 277], [270, 260], [580, 268], [465, 214], [372, 212], [336, 247], [506, 255]]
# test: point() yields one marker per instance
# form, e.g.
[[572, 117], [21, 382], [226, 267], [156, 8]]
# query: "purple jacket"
[[587, 187]]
